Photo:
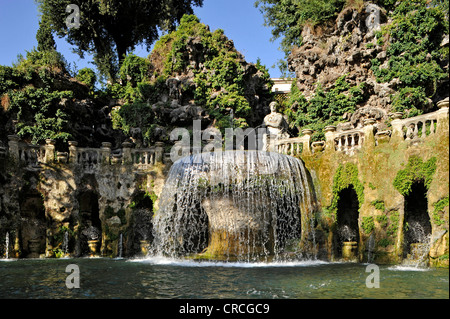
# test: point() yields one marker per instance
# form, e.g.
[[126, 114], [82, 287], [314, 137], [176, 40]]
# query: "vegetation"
[[325, 107], [416, 170], [346, 176], [439, 209], [111, 29], [29, 96], [288, 18], [414, 53], [220, 87]]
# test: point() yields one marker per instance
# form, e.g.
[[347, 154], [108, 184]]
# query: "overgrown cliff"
[[370, 61]]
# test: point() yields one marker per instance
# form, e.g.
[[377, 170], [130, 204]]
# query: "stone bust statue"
[[275, 122]]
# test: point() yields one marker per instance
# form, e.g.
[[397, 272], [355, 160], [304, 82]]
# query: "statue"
[[276, 123]]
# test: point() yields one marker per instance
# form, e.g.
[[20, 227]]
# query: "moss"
[[393, 227], [345, 177], [438, 208], [378, 204], [382, 220], [368, 224], [414, 171]]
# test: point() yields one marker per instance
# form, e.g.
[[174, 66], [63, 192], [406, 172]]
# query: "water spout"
[[7, 246], [120, 246], [65, 244]]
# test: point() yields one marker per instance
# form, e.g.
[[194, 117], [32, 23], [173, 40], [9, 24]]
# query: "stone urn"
[[93, 247], [383, 137], [397, 115], [349, 250], [443, 103], [318, 146], [144, 247], [34, 246]]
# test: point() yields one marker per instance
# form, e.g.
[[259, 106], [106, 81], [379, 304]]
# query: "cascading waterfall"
[[240, 205]]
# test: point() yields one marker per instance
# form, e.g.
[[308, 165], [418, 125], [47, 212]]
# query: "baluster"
[[353, 141], [409, 132], [416, 130], [431, 127], [340, 144], [424, 129]]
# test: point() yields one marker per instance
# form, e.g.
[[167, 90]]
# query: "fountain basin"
[[93, 247], [349, 250]]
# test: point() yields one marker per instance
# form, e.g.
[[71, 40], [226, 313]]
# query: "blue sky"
[[241, 21]]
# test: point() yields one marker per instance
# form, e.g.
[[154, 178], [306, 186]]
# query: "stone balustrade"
[[420, 127], [346, 141], [89, 159], [291, 146], [350, 141], [30, 154]]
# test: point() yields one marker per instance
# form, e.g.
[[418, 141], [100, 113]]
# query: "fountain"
[[419, 245], [349, 245], [120, 246], [7, 246], [235, 205], [65, 244]]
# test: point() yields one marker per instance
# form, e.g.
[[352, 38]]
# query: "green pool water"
[[159, 278]]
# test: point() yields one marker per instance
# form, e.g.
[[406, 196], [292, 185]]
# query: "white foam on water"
[[240, 264], [407, 268]]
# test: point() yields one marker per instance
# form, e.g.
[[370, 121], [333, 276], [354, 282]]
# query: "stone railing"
[[350, 141], [292, 146], [89, 159], [422, 126]]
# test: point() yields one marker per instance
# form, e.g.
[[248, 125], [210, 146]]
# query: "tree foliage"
[[288, 17], [109, 29], [414, 53]]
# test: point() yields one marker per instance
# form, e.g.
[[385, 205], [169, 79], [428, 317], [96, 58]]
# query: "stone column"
[[106, 153], [126, 155], [442, 115], [49, 151], [159, 152], [329, 137], [369, 137], [13, 144], [307, 141], [73, 152], [397, 127]]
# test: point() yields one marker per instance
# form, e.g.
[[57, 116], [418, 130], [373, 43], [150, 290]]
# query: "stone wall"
[[378, 160], [73, 191]]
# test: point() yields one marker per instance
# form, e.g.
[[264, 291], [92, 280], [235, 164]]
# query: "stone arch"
[[417, 224], [33, 223], [89, 222], [140, 234], [347, 229], [413, 183], [348, 197]]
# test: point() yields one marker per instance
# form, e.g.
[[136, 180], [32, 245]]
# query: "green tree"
[[44, 36], [109, 29], [288, 17]]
